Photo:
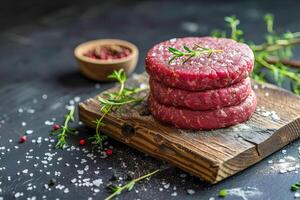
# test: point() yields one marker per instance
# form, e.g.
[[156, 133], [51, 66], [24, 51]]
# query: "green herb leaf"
[[111, 100], [295, 186], [190, 53], [276, 45], [63, 132], [223, 193], [129, 186]]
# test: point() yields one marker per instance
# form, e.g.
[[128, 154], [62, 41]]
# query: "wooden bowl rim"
[[83, 47]]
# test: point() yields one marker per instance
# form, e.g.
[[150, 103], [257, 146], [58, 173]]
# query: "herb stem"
[[289, 74], [288, 62], [190, 53], [114, 99], [279, 44], [64, 130], [129, 185]]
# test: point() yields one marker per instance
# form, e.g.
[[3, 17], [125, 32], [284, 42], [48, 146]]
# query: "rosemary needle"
[[117, 190], [190, 53]]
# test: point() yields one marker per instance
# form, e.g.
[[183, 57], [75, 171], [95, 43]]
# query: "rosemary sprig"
[[190, 53], [117, 190], [295, 186], [114, 100], [276, 45], [63, 132]]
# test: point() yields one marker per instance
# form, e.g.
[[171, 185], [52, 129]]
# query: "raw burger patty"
[[204, 72], [197, 120], [201, 100]]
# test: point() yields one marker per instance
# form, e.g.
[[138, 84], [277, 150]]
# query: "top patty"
[[203, 72]]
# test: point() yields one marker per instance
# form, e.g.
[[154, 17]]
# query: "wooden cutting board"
[[210, 155]]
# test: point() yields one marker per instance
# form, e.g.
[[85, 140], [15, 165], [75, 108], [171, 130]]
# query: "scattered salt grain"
[[29, 132], [283, 151], [297, 195], [66, 190], [44, 96], [18, 194], [174, 194], [23, 123], [167, 185], [190, 191], [77, 99], [97, 182], [183, 175], [49, 123], [31, 111], [244, 193]]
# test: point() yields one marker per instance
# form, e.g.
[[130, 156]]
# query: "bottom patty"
[[206, 120], [202, 100]]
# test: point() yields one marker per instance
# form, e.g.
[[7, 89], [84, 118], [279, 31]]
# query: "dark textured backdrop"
[[37, 39]]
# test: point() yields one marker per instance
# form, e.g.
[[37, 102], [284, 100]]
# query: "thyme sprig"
[[111, 100], [278, 46], [63, 132], [295, 186], [117, 190], [190, 53]]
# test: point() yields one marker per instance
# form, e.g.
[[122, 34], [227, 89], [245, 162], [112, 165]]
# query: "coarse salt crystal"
[[97, 182]]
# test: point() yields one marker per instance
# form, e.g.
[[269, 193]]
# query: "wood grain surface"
[[211, 155]]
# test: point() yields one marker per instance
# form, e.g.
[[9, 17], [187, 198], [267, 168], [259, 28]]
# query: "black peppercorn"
[[52, 182]]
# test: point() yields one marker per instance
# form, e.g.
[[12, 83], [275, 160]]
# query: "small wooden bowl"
[[97, 69]]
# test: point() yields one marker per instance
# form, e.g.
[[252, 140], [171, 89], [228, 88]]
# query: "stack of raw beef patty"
[[206, 92]]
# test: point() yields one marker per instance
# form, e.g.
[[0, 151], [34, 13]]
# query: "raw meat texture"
[[201, 100], [197, 120], [204, 72]]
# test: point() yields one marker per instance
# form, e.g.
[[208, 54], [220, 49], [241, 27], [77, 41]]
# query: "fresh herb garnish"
[[223, 193], [112, 100], [295, 187], [278, 46], [117, 190], [190, 53], [63, 131]]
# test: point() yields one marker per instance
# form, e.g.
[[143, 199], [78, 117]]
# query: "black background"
[[37, 39]]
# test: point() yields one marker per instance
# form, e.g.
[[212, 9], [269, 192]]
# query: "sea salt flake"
[[44, 96], [29, 132], [174, 194], [97, 182], [73, 180], [190, 191], [297, 195]]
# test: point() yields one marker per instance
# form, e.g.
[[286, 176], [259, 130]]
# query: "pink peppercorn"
[[23, 139], [82, 142], [55, 127], [109, 152]]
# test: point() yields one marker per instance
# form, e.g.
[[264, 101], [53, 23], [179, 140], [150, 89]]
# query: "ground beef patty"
[[197, 120], [201, 100], [204, 72]]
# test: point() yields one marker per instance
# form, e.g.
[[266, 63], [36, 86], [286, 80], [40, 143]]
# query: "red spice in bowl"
[[108, 52]]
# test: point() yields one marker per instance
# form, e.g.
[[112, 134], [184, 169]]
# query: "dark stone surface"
[[37, 58]]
